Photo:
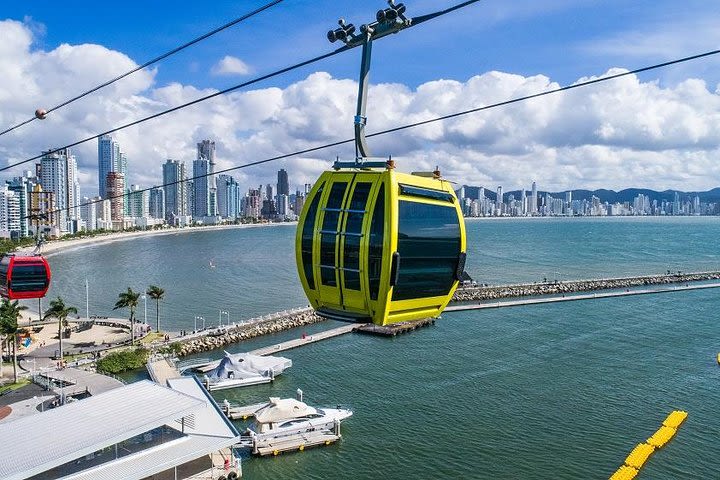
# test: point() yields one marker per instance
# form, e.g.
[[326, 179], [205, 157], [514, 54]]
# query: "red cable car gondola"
[[23, 277]]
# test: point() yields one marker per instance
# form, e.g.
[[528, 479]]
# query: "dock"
[[394, 329], [162, 369], [296, 443], [575, 297], [240, 412]]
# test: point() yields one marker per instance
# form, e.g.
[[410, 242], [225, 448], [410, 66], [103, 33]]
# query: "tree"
[[10, 313], [157, 294], [59, 310], [129, 300]]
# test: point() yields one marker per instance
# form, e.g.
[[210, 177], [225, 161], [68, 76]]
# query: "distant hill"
[[610, 196]]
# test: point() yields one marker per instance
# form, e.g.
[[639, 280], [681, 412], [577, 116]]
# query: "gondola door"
[[354, 244], [330, 222]]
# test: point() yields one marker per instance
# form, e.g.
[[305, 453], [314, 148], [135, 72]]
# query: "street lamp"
[[223, 312], [144, 297]]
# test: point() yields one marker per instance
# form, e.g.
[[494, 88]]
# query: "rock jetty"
[[220, 337], [497, 292]]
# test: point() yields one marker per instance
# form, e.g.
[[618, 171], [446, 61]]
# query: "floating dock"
[[642, 452], [296, 443], [394, 328]]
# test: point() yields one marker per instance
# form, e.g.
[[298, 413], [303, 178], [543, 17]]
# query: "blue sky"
[[582, 140], [562, 39]]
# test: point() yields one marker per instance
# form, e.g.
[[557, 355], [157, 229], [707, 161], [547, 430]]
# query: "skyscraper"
[[201, 187], [175, 189], [206, 151], [499, 200], [283, 187], [59, 176], [116, 194], [157, 202], [110, 159], [228, 193], [534, 200]]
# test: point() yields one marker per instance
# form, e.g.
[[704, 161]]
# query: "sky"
[[658, 130]]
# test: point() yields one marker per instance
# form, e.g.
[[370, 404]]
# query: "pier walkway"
[[315, 337], [574, 297]]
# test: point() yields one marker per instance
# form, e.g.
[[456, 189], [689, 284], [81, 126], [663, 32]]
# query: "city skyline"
[[611, 135]]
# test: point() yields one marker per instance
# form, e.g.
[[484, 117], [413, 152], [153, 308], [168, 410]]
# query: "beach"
[[53, 246]]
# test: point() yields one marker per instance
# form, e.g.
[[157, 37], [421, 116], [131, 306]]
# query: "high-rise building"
[[252, 204], [110, 159], [9, 212], [138, 201], [499, 200], [283, 187], [23, 187], [206, 151], [175, 183], [88, 212], [116, 194], [534, 199], [201, 187], [228, 196], [58, 174], [157, 202]]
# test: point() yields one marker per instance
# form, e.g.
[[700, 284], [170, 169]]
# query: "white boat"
[[243, 369], [282, 417]]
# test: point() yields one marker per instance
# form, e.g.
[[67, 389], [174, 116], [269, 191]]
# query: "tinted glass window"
[[353, 229], [376, 242], [307, 239], [429, 245], [26, 278], [328, 260]]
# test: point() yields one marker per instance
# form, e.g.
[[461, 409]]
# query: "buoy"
[[718, 358], [327, 442], [275, 452], [244, 417], [302, 447]]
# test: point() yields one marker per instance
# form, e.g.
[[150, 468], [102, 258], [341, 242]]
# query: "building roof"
[[37, 443]]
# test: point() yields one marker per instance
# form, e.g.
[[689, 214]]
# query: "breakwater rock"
[[496, 292], [219, 337]]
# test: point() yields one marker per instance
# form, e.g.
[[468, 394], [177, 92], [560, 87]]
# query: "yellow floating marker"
[[718, 358], [639, 455], [624, 473], [675, 419], [662, 436]]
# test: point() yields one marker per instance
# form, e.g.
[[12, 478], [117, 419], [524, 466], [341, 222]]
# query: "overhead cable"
[[42, 113]]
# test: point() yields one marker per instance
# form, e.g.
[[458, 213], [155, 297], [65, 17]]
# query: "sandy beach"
[[53, 246]]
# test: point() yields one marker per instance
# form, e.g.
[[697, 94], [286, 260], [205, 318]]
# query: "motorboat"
[[288, 416], [243, 369]]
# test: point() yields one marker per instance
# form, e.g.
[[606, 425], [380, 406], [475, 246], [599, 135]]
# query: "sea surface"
[[552, 391]]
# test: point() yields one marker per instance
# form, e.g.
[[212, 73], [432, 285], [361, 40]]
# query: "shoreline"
[[54, 246]]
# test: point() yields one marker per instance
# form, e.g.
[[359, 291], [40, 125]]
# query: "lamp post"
[[223, 312], [144, 297], [203, 320]]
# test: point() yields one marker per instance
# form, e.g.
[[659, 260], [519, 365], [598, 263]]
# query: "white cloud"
[[617, 134], [230, 65]]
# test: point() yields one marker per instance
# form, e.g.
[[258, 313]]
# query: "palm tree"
[[59, 310], [10, 312], [129, 300], [157, 294]]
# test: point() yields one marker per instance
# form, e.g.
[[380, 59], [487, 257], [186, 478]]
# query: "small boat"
[[212, 264], [243, 369]]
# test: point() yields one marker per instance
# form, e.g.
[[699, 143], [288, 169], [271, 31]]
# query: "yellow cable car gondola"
[[380, 246], [373, 244]]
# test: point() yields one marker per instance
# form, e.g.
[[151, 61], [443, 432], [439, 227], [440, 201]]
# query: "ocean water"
[[553, 391]]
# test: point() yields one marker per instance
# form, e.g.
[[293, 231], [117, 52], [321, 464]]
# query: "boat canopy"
[[280, 409], [247, 365]]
